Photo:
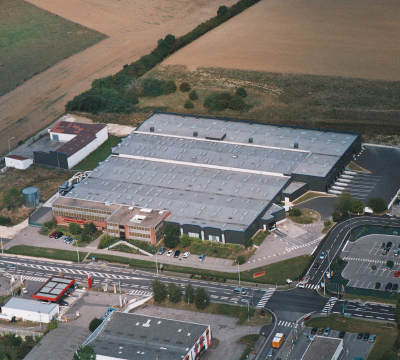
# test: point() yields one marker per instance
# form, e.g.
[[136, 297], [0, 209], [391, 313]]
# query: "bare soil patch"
[[357, 38], [132, 27]]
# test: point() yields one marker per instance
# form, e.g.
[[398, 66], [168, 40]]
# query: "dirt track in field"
[[350, 38], [133, 27]]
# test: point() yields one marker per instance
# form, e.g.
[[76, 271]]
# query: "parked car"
[[360, 336], [320, 331], [177, 253], [54, 233], [63, 303], [327, 331], [11, 266], [366, 336], [314, 331], [389, 245], [25, 290], [170, 252], [396, 274], [94, 258], [186, 254], [67, 238], [58, 235], [395, 287], [202, 257], [161, 250], [315, 266], [372, 338], [342, 334], [240, 291], [396, 252], [322, 255], [270, 353], [388, 287], [385, 251]]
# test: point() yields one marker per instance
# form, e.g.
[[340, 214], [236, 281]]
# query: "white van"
[[239, 291]]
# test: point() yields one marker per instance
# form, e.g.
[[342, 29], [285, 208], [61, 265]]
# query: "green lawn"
[[99, 155], [276, 273], [54, 254], [260, 237], [32, 40], [386, 333]]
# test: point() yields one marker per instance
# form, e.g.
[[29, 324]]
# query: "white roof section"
[[30, 305]]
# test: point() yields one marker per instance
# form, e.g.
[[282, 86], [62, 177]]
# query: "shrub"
[[169, 87], [237, 103], [217, 101], [336, 216], [171, 238], [201, 298], [378, 205], [189, 292], [188, 104], [94, 324], [4, 220], [373, 267], [248, 243], [89, 228], [344, 202], [294, 212], [159, 291], [152, 87], [74, 228], [106, 241], [174, 292], [222, 10], [185, 240], [50, 224], [389, 264], [193, 95], [84, 238], [240, 260], [357, 207], [184, 87], [327, 223], [51, 326], [241, 92]]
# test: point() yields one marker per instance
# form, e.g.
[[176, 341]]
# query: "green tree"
[[373, 267], [248, 243], [159, 291], [85, 353], [222, 10], [327, 223], [217, 101], [188, 104], [12, 198], [241, 92], [89, 228], [357, 207], [377, 204], [171, 238], [189, 293], [344, 202], [389, 263], [74, 228], [50, 224], [336, 216], [240, 260], [236, 103], [4, 220], [174, 292], [169, 87], [201, 298], [184, 87], [94, 324], [185, 240], [85, 238], [193, 95]]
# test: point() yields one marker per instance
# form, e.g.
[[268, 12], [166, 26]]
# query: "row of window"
[[74, 208], [138, 235], [139, 228], [78, 216]]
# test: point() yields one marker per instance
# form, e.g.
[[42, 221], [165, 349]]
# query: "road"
[[287, 307]]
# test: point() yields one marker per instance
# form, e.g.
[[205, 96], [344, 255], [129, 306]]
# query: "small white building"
[[30, 310], [18, 162]]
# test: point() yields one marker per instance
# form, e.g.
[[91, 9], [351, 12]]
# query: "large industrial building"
[[215, 179], [131, 336]]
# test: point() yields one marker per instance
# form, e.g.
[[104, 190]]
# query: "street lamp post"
[[350, 223], [238, 270], [9, 149]]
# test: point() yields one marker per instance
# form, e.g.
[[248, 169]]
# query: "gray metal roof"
[[322, 348], [30, 305], [194, 195], [132, 337]]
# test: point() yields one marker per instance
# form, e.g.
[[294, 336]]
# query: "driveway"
[[324, 205]]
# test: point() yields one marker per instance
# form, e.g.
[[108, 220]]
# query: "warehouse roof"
[[68, 125], [29, 305], [194, 195], [132, 337]]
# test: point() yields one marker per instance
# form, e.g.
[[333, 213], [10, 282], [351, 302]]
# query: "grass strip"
[[307, 196], [55, 254], [386, 333], [276, 273]]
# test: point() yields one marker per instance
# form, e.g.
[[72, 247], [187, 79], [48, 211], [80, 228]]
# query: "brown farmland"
[[349, 38], [132, 27]]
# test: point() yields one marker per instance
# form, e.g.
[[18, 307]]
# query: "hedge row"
[[119, 94]]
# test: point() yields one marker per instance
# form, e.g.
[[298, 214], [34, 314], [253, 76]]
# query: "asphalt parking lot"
[[352, 346], [362, 254]]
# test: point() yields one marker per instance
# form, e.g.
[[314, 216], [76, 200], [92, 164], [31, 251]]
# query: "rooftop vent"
[[250, 140], [151, 128], [295, 145], [107, 203], [195, 134]]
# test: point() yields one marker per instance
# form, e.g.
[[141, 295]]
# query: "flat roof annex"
[[53, 288], [29, 305]]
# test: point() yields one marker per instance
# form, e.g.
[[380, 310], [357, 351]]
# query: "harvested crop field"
[[132, 27], [32, 40], [356, 38]]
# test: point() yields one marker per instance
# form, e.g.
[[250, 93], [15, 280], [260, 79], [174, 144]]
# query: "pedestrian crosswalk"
[[286, 323], [294, 247], [35, 278], [329, 305], [140, 292], [265, 298]]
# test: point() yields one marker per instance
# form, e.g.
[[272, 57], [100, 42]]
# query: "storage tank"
[[31, 197]]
